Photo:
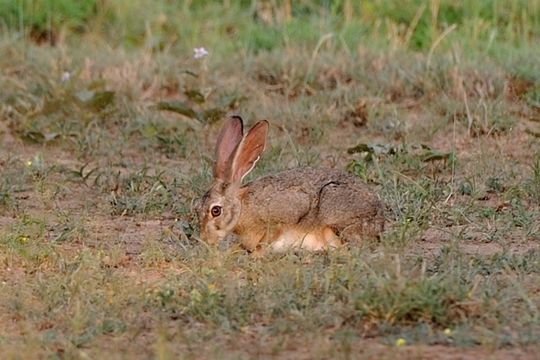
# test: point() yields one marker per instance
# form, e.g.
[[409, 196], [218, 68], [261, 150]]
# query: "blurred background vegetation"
[[277, 41], [251, 25]]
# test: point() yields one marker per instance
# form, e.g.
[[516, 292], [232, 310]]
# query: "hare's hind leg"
[[352, 210], [359, 231], [330, 238], [320, 239], [311, 240], [286, 240]]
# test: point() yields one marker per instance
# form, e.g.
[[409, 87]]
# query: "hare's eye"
[[215, 211]]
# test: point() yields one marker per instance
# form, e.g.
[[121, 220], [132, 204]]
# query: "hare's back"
[[352, 209], [310, 194], [312, 197], [286, 197], [344, 203]]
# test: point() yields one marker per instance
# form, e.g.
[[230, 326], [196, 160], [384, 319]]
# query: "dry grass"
[[98, 245]]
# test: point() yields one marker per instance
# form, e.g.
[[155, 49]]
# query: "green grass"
[[107, 129]]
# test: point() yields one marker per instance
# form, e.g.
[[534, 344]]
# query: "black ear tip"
[[264, 124], [237, 120]]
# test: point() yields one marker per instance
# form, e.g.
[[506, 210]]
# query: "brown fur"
[[303, 207], [227, 141]]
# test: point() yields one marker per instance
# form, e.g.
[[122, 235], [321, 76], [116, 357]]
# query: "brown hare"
[[304, 208]]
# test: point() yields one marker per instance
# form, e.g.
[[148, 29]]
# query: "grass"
[[107, 125]]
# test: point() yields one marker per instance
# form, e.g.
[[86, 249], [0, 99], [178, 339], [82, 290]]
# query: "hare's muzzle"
[[211, 236]]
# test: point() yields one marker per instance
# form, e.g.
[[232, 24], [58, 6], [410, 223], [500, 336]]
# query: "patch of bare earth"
[[434, 239], [295, 348]]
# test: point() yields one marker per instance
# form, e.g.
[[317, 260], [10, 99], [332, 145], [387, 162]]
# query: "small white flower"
[[199, 52], [65, 76]]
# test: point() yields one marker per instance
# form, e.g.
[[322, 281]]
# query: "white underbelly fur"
[[315, 240]]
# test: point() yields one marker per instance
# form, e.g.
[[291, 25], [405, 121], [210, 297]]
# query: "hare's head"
[[219, 209]]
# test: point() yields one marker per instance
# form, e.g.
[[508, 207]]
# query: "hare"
[[307, 208]]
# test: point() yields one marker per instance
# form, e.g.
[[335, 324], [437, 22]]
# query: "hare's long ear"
[[227, 141], [248, 151]]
